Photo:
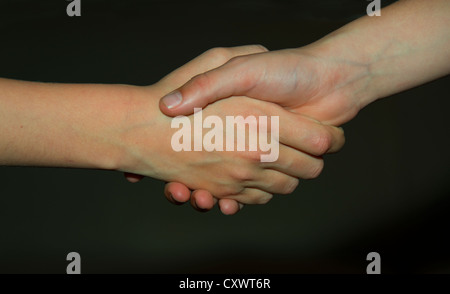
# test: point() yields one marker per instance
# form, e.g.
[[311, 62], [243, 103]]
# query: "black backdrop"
[[386, 191]]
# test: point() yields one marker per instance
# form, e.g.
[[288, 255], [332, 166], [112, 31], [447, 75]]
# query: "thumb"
[[225, 81]]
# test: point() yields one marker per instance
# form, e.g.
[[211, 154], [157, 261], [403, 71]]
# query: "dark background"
[[386, 191]]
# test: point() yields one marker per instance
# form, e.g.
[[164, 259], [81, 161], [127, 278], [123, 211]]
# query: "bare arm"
[[120, 127], [334, 77], [408, 45], [67, 125]]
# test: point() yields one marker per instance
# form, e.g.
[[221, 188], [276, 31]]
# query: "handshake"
[[265, 97], [235, 125]]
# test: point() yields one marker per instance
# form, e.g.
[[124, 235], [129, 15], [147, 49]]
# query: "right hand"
[[305, 80]]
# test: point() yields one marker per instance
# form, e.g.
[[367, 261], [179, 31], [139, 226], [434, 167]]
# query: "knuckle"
[[242, 174], [257, 197], [271, 186], [261, 48], [290, 186], [236, 60], [220, 54], [202, 81], [316, 170], [246, 74], [264, 198], [322, 142], [253, 156], [230, 190], [251, 49]]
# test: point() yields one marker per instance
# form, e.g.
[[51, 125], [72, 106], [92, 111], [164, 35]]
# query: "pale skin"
[[120, 127], [332, 79]]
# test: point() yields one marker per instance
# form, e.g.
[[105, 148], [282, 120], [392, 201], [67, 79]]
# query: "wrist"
[[133, 111], [351, 64], [63, 125], [395, 50], [142, 137], [107, 114]]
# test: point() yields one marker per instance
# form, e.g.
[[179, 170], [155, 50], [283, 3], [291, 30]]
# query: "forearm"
[[65, 125], [406, 46]]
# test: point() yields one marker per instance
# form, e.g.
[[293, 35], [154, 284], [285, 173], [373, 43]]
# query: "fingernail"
[[172, 99]]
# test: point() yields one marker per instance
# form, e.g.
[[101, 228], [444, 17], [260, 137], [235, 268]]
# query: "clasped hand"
[[233, 178]]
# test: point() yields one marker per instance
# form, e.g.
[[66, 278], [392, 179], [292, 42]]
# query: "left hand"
[[207, 61]]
